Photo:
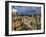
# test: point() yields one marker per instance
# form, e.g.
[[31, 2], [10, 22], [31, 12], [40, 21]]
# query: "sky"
[[27, 10]]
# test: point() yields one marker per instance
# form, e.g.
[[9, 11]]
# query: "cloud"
[[28, 10]]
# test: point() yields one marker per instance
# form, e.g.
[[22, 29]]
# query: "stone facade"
[[33, 22]]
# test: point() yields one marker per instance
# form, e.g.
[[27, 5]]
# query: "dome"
[[14, 10]]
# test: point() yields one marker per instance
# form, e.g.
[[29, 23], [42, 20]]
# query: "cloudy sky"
[[27, 9]]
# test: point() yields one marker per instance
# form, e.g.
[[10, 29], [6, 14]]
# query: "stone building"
[[32, 22]]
